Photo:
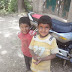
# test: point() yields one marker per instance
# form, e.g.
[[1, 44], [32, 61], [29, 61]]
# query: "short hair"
[[45, 20], [24, 20]]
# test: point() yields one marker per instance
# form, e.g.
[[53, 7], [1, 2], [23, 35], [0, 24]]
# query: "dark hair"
[[45, 20], [24, 20]]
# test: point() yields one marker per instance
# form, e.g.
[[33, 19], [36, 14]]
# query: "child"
[[43, 47], [25, 36]]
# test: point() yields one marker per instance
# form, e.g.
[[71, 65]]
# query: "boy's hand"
[[37, 62], [35, 57]]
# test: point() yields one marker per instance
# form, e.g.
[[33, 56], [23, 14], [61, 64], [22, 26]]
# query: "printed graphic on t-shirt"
[[39, 50]]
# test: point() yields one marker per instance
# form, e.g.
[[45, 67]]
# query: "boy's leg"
[[27, 62]]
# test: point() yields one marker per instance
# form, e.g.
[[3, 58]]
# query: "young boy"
[[25, 36], [43, 47]]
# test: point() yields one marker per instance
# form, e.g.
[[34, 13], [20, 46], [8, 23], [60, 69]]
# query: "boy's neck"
[[43, 36]]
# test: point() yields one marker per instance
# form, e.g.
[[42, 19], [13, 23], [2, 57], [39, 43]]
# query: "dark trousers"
[[27, 62]]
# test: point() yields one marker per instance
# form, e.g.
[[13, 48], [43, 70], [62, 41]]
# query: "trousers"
[[27, 62]]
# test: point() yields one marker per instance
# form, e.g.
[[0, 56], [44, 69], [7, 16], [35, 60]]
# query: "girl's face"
[[24, 28], [43, 30]]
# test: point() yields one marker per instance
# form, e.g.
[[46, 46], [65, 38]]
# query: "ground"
[[11, 57]]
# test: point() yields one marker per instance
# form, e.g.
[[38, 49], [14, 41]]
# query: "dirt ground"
[[11, 57]]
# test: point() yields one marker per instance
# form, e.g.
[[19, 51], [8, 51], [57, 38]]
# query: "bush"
[[12, 7], [4, 4], [28, 5], [9, 6]]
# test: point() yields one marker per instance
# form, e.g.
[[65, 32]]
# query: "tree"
[[20, 6], [38, 6]]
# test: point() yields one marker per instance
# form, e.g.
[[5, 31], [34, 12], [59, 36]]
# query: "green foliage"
[[12, 7], [28, 5], [8, 6], [4, 4], [3, 12]]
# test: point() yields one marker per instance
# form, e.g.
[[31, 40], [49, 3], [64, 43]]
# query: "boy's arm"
[[19, 35], [33, 55], [31, 50], [52, 56]]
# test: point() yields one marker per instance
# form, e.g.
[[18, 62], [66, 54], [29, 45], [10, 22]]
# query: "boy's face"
[[43, 30], [24, 28]]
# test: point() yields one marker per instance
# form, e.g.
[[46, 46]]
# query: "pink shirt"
[[25, 41]]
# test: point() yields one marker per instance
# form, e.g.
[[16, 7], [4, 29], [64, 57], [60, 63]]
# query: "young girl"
[[43, 47], [25, 36]]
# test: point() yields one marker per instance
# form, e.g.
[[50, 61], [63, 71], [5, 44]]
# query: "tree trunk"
[[38, 6], [40, 9], [20, 6], [35, 5]]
